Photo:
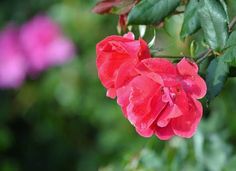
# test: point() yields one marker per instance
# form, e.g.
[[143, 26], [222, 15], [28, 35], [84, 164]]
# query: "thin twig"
[[199, 59], [178, 12], [204, 56], [232, 24], [202, 53]]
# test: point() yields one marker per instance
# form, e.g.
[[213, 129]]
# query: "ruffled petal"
[[157, 106], [195, 86], [157, 65], [148, 132], [142, 90], [125, 74], [164, 133], [186, 125], [129, 35], [144, 51], [186, 67], [107, 69], [111, 92], [167, 114], [123, 94]]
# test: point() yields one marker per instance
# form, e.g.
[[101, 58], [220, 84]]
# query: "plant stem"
[[232, 24], [203, 56], [202, 53], [199, 59], [178, 12], [172, 57]]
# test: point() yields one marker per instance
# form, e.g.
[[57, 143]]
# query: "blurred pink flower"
[[44, 44], [12, 61]]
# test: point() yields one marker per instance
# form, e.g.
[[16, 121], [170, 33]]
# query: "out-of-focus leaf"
[[150, 160], [5, 139], [213, 21], [151, 11], [114, 6], [230, 165], [216, 153], [216, 76], [191, 21], [198, 141]]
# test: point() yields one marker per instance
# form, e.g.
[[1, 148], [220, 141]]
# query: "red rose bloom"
[[116, 53], [161, 98]]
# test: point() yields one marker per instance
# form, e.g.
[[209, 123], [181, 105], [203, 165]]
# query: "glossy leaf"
[[191, 21], [151, 11], [232, 40], [230, 56], [216, 76], [213, 21], [225, 8], [230, 52]]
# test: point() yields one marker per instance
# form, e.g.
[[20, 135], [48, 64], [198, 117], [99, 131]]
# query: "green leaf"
[[151, 11], [216, 76], [225, 9], [213, 21], [230, 52], [191, 21], [230, 56], [232, 40]]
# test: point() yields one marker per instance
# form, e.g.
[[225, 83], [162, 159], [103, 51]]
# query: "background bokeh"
[[62, 121]]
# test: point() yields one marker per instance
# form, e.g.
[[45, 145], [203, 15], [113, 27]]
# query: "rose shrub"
[[156, 96]]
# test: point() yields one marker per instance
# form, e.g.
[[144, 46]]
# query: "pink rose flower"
[[12, 61], [162, 98], [115, 56], [44, 44]]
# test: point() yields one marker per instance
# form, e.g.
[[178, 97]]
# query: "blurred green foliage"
[[62, 121]]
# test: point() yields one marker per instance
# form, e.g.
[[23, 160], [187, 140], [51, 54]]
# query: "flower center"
[[168, 96]]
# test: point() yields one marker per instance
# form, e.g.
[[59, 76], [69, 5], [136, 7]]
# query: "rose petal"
[[195, 86], [129, 35], [185, 125], [156, 106], [123, 97], [108, 69], [125, 74], [167, 114], [142, 89], [111, 92], [145, 132], [158, 65], [186, 67], [144, 51], [164, 133]]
